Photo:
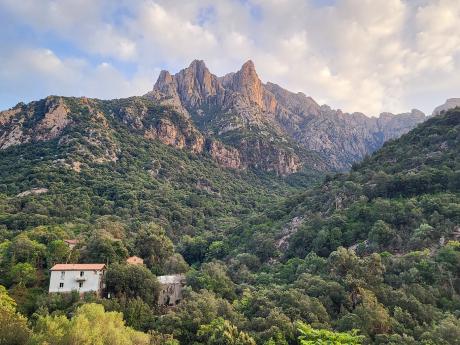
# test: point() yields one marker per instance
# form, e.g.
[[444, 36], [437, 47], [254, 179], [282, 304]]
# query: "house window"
[[61, 285], [82, 274], [62, 274], [80, 284]]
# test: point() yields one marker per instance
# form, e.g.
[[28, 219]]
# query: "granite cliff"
[[238, 105], [87, 129], [236, 120]]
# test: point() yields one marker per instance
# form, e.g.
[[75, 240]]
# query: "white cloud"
[[359, 55], [35, 73]]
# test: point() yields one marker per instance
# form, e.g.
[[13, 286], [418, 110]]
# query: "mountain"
[[232, 109], [404, 197], [238, 108], [373, 251], [77, 159], [449, 104], [53, 117]]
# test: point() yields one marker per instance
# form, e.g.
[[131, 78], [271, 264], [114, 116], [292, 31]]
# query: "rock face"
[[49, 116], [233, 111], [236, 120], [87, 130], [225, 156], [239, 106], [449, 104]]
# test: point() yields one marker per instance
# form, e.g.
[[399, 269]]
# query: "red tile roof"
[[77, 267], [134, 260]]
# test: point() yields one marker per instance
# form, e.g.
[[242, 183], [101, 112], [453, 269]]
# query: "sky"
[[357, 55]]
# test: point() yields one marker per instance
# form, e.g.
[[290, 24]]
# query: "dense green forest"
[[367, 257]]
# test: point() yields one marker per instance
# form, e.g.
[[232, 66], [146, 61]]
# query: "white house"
[[77, 277], [171, 289]]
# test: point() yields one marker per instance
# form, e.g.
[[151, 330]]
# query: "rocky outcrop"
[[55, 120], [168, 133], [225, 156], [236, 119], [264, 155], [240, 103], [33, 191], [191, 88], [449, 104], [49, 118]]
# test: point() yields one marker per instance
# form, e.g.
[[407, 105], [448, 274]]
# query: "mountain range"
[[237, 120], [238, 108]]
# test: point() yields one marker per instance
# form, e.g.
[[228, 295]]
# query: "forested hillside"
[[75, 160], [405, 196], [368, 257]]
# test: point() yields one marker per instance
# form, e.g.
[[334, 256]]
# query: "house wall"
[[170, 293], [93, 281]]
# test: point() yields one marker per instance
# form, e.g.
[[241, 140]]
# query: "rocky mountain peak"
[[449, 104], [189, 88], [164, 82], [248, 67], [247, 82], [238, 103], [417, 112], [197, 64]]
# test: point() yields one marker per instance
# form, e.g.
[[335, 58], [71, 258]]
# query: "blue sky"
[[357, 55]]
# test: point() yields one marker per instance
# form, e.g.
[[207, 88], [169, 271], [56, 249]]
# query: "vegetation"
[[310, 336], [368, 257]]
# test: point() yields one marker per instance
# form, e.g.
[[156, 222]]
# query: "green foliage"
[[222, 332], [154, 246], [404, 197], [447, 332], [23, 273], [132, 281], [195, 310], [90, 325], [103, 247], [157, 338], [13, 326], [373, 250], [213, 277], [57, 252], [311, 336]]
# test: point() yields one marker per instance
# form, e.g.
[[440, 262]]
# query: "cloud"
[[29, 74], [358, 55]]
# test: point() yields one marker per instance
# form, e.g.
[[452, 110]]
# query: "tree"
[[222, 332], [23, 249], [175, 264], [311, 336], [157, 338], [91, 324], [423, 235], [154, 246], [446, 332], [13, 326], [102, 247], [132, 281], [195, 310], [57, 252], [382, 234], [23, 273], [213, 277], [370, 316]]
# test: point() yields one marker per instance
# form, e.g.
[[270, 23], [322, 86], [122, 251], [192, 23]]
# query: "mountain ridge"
[[240, 101]]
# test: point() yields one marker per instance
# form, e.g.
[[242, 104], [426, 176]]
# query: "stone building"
[[171, 289]]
